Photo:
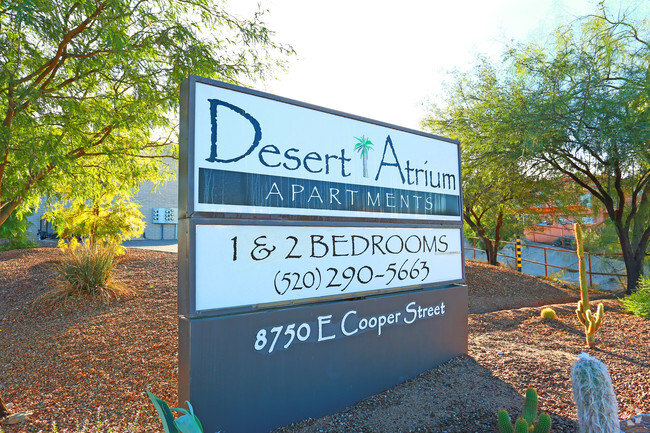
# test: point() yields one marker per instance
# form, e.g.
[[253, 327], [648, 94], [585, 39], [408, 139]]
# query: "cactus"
[[505, 426], [528, 421], [594, 396], [590, 321], [521, 426], [548, 313], [530, 406], [543, 424]]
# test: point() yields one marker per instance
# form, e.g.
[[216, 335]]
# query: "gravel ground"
[[87, 362]]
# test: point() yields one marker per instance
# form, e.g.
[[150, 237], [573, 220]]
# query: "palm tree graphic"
[[363, 146]]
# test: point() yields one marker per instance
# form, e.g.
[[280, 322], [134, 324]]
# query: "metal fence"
[[560, 263]]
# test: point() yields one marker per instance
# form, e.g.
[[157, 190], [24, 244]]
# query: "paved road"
[[168, 246]]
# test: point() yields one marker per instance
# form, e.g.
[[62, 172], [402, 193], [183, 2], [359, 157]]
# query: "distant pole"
[[518, 253], [591, 280], [545, 264]]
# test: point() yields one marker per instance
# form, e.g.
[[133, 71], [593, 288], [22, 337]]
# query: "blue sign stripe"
[[249, 189]]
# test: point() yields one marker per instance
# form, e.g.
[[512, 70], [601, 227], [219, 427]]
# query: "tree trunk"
[[3, 409], [493, 256], [497, 238], [634, 270], [490, 251], [633, 256]]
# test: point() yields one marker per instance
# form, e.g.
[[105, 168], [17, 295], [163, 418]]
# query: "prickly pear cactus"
[[594, 396], [590, 321]]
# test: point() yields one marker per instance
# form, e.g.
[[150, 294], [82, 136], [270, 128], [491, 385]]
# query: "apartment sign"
[[259, 155], [317, 250], [274, 265]]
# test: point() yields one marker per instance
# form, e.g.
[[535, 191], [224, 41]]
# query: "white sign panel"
[[254, 154], [255, 265]]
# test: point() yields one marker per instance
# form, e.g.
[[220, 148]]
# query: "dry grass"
[[87, 271]]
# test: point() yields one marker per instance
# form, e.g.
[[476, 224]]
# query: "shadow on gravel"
[[458, 396], [640, 363], [559, 326]]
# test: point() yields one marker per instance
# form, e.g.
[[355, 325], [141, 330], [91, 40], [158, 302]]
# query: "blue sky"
[[385, 59]]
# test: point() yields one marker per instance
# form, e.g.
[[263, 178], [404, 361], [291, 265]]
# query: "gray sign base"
[[258, 371]]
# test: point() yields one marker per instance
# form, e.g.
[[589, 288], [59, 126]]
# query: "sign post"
[[320, 256]]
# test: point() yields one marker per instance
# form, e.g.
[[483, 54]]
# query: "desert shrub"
[[548, 313], [639, 302], [86, 270], [90, 235]]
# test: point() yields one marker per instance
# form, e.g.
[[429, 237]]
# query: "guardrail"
[[588, 256], [565, 237]]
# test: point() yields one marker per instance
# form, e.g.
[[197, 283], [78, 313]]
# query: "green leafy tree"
[[496, 189], [106, 218], [15, 233], [581, 106], [89, 89]]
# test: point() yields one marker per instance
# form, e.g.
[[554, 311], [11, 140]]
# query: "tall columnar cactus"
[[528, 422], [594, 396], [590, 321]]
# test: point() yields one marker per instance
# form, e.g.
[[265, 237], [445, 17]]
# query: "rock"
[[17, 418], [637, 424]]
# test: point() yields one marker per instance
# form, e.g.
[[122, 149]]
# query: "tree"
[[495, 188], [106, 218], [583, 112], [88, 90]]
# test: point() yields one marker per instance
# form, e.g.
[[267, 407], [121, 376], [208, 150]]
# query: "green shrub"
[[86, 271], [14, 234], [639, 302]]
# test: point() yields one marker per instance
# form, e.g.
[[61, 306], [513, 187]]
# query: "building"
[[556, 226], [163, 197]]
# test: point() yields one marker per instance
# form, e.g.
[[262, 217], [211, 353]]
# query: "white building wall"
[[163, 196]]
